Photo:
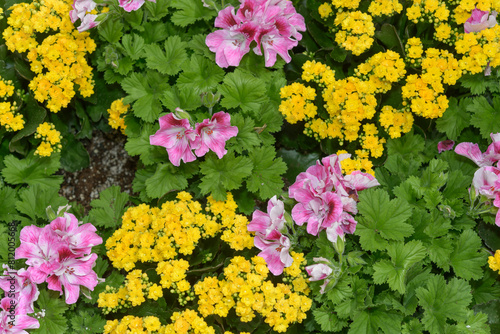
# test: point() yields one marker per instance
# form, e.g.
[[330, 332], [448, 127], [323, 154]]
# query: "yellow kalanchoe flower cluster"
[[414, 50], [246, 289], [188, 322], [395, 122], [51, 139], [434, 11], [59, 60], [479, 49], [116, 113], [10, 119], [133, 324], [494, 261], [234, 226], [297, 103], [133, 292], [360, 161], [385, 7], [355, 31]]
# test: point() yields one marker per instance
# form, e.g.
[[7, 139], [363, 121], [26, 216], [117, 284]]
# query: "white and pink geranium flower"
[[486, 180], [326, 201], [273, 25], [480, 20], [60, 254], [320, 271], [131, 5], [19, 287], [180, 139], [326, 197], [14, 320]]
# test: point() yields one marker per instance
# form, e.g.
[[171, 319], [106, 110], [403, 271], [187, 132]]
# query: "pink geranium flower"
[[320, 271], [272, 25], [79, 238], [319, 213], [14, 320], [177, 136], [131, 5], [41, 249], [269, 224], [25, 291], [275, 252], [445, 145], [472, 151], [480, 20], [213, 134], [72, 273]]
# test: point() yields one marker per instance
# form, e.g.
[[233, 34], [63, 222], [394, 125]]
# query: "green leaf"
[[296, 162], [328, 320], [133, 45], [409, 144], [140, 145], [455, 118], [382, 219], [34, 114], [185, 99], [242, 90], [168, 61], [200, 74], [266, 176], [477, 83], [111, 30], [8, 198], [190, 11], [221, 175], [74, 156], [87, 322], [146, 92], [368, 322], [486, 116], [157, 9], [247, 137], [154, 32], [403, 256], [198, 45], [475, 323], [33, 170], [456, 186], [34, 200], [389, 36], [486, 289], [441, 301], [440, 251], [54, 307], [467, 258], [165, 180], [108, 209]]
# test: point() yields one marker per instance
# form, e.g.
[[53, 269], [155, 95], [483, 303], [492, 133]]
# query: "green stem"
[[204, 270]]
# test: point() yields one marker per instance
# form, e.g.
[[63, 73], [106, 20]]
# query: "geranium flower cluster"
[[180, 139], [245, 288], [273, 25], [326, 198], [10, 119], [58, 254], [117, 112], [59, 59], [90, 15], [61, 255], [133, 292], [51, 139], [20, 294], [486, 181]]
